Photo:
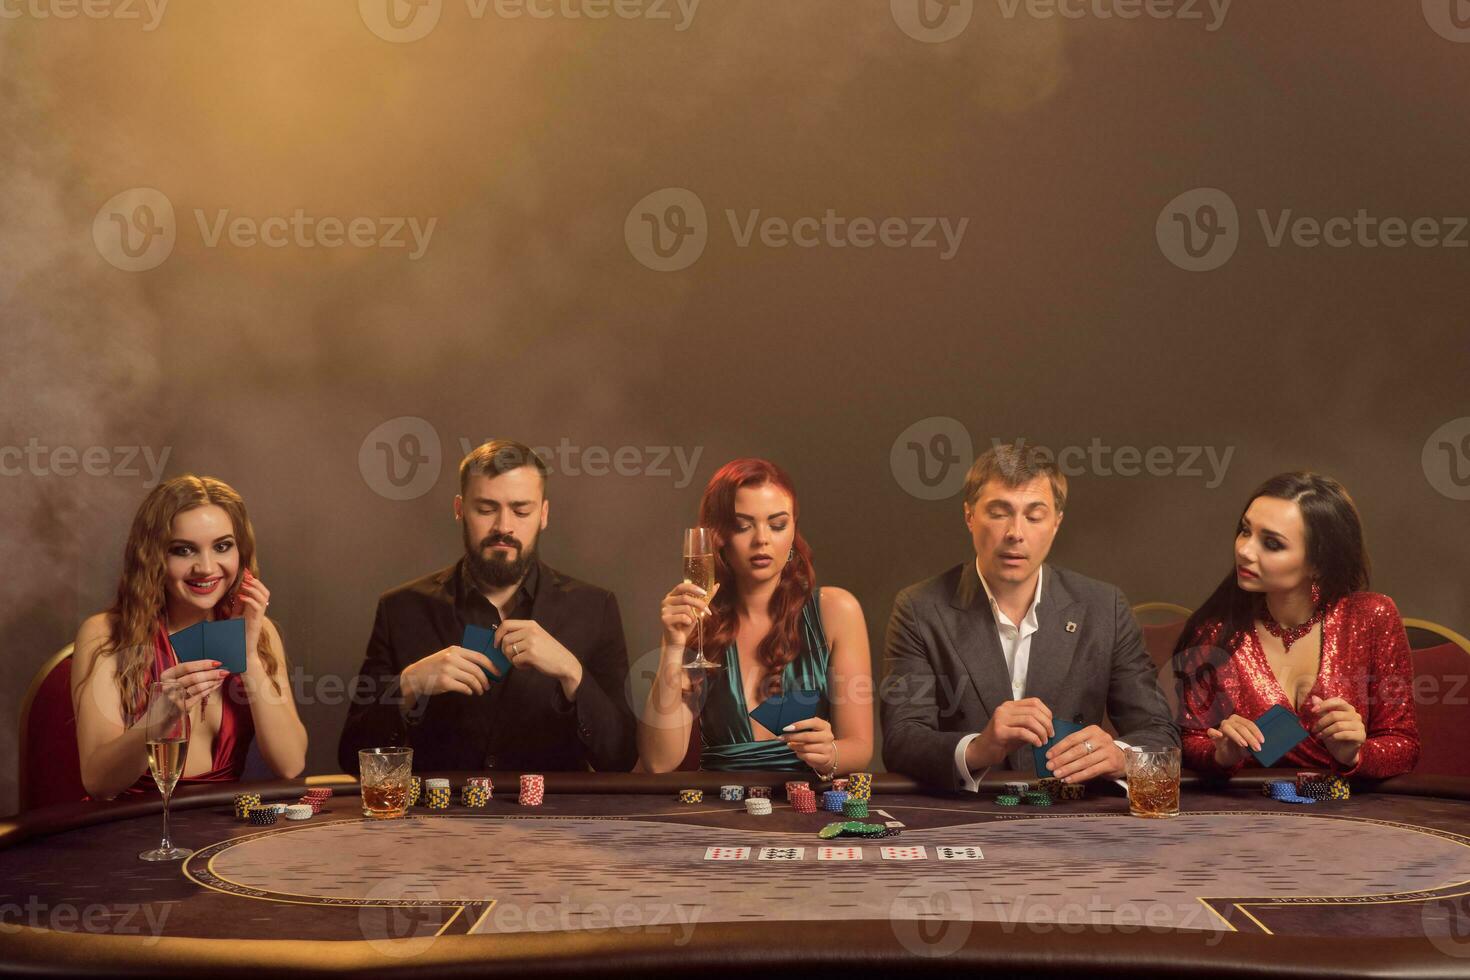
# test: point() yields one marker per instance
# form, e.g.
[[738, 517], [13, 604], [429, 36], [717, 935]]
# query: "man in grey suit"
[[983, 657]]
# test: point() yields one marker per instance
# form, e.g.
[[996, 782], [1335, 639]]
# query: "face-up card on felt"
[[780, 710], [1282, 732], [222, 640], [482, 640], [1062, 729]]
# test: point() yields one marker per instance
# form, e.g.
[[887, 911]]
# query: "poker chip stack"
[[758, 806], [841, 784], [1284, 791], [1339, 789], [436, 794], [794, 785], [299, 811], [758, 793], [533, 790], [804, 801], [1322, 786], [315, 799], [732, 794], [853, 807], [243, 803], [1018, 788], [1009, 799], [1037, 799], [262, 816], [415, 790], [473, 796], [485, 783], [833, 799], [1070, 792], [691, 796], [860, 785], [1050, 785]]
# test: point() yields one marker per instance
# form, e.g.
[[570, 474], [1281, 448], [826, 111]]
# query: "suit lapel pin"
[[1071, 627]]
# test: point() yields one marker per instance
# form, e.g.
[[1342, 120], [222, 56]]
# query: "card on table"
[[726, 853], [1062, 729], [782, 853], [967, 852], [482, 640], [780, 710], [904, 853], [1282, 732], [214, 639], [839, 854]]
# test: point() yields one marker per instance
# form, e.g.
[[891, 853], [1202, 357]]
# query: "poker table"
[[614, 874]]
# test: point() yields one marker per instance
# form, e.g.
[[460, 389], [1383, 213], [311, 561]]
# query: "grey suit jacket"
[[945, 672]]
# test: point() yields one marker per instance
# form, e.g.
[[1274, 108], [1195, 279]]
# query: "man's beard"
[[495, 572]]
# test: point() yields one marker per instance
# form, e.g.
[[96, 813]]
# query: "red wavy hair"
[[781, 645]]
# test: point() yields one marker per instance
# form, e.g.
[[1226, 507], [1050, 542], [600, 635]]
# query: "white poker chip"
[[278, 807], [298, 812], [436, 784]]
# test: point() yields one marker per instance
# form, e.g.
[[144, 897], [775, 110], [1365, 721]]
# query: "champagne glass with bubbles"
[[699, 569], [167, 723]]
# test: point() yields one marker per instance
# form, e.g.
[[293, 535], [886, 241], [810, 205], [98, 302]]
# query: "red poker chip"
[[320, 792]]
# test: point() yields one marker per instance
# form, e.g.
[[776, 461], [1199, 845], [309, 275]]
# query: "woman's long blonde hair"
[[141, 591]]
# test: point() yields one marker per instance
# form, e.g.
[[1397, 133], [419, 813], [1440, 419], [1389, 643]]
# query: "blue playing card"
[[1282, 732], [780, 710], [482, 640], [222, 640], [1061, 729]]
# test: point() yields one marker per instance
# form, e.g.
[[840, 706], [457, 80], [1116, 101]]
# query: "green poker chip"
[[1008, 799], [1038, 799], [831, 830]]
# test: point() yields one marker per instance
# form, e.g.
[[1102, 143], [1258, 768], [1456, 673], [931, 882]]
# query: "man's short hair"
[[496, 457], [1014, 466]]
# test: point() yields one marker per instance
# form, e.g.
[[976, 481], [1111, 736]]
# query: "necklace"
[[1287, 634]]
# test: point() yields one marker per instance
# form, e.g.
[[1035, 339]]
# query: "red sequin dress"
[[1365, 661]]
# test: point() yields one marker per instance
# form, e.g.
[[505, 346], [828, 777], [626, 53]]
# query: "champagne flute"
[[167, 721], [699, 569]]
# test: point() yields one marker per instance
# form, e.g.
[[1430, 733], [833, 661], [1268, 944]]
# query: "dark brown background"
[[1060, 319]]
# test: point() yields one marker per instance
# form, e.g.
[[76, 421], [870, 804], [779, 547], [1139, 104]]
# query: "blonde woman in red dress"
[[190, 556], [1294, 625]]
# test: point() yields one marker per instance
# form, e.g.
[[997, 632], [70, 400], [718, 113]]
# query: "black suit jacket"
[[946, 673], [522, 723]]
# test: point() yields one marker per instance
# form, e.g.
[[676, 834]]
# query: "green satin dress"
[[727, 742]]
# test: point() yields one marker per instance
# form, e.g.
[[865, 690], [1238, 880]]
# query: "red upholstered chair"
[[1161, 623], [1441, 696], [50, 771]]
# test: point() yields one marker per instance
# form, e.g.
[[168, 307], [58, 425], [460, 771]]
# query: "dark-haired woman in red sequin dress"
[[1293, 625]]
